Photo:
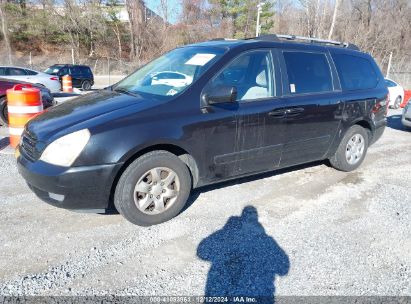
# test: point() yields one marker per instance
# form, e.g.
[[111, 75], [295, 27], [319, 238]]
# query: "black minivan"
[[202, 114], [81, 75]]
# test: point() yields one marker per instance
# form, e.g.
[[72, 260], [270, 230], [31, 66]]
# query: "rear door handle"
[[294, 111]]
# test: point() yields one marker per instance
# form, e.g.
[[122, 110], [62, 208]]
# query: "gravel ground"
[[304, 231]]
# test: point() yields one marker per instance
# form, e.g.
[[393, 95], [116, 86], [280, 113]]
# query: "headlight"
[[64, 150]]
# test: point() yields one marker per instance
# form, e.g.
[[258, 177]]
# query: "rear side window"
[[86, 71], [356, 73], [308, 72], [30, 72]]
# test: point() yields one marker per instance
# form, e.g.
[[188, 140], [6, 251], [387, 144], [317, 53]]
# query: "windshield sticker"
[[200, 59], [172, 92]]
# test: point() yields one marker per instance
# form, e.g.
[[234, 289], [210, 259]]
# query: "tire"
[[4, 120], [397, 102], [126, 197], [86, 85], [340, 159]]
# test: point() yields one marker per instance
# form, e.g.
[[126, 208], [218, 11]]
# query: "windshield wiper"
[[125, 91]]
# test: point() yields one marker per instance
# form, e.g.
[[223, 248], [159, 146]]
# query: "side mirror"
[[220, 94]]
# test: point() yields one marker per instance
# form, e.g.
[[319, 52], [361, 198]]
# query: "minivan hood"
[[79, 110]]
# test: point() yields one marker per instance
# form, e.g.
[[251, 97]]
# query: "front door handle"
[[277, 113], [293, 111]]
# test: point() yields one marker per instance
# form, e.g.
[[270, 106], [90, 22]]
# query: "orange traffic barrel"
[[23, 103], [67, 84]]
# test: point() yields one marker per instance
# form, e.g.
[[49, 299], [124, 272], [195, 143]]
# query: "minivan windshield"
[[171, 73]]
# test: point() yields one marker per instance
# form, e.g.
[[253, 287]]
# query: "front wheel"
[[153, 189], [352, 149], [4, 115]]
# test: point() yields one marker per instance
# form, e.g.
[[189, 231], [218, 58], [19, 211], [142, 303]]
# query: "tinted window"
[[251, 73], [2, 71], [85, 71], [390, 83], [64, 71], [30, 72], [356, 73], [308, 72], [15, 72]]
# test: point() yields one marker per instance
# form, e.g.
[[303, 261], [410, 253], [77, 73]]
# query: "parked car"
[[81, 75], [406, 115], [171, 78], [5, 84], [253, 106], [396, 93], [31, 76]]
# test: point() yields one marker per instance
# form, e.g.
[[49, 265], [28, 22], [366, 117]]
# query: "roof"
[[279, 41]]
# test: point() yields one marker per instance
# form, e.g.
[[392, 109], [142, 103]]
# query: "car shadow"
[[242, 180], [394, 122], [244, 260]]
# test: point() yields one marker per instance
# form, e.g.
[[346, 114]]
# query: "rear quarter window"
[[355, 73]]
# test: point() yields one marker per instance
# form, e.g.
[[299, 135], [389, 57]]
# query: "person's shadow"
[[244, 259]]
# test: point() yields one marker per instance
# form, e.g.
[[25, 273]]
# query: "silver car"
[[406, 115]]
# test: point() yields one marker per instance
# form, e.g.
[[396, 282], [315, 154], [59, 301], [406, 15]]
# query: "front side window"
[[308, 72], [16, 72], [251, 74], [171, 73], [356, 73]]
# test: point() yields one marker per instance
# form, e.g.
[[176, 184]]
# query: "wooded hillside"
[[121, 34]]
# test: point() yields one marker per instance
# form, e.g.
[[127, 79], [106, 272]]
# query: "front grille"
[[28, 146]]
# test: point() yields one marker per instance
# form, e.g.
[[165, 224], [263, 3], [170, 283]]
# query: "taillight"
[[380, 104], [54, 78]]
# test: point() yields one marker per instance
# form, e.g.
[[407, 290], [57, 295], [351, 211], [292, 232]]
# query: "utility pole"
[[389, 66], [72, 55], [259, 10]]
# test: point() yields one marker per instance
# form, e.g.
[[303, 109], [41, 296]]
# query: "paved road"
[[304, 231]]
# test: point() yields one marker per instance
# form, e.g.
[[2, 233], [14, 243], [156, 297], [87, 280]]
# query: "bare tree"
[[4, 30], [330, 34]]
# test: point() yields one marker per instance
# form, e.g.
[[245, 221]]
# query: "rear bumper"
[[77, 188], [378, 131]]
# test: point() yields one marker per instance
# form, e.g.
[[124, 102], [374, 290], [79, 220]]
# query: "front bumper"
[[85, 188]]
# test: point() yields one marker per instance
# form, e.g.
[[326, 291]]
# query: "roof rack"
[[275, 37], [222, 39]]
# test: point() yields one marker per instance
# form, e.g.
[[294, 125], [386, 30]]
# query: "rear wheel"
[[4, 116], [86, 85], [397, 102], [352, 149], [153, 189]]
